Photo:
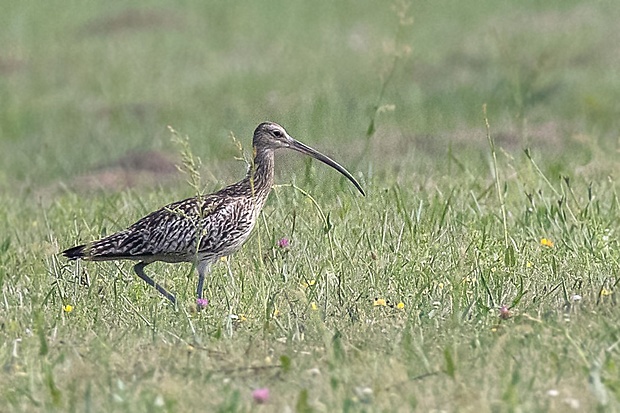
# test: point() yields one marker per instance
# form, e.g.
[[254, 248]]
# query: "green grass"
[[446, 230]]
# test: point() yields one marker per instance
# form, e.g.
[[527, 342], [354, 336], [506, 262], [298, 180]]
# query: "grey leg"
[[139, 269], [203, 268]]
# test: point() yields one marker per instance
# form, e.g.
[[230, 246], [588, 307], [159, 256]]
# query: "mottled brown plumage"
[[204, 228]]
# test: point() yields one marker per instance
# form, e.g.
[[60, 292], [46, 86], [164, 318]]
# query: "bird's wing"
[[168, 232]]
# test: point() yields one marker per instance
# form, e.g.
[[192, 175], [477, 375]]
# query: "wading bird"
[[203, 228]]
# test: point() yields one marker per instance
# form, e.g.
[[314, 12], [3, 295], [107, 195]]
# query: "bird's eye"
[[277, 133]]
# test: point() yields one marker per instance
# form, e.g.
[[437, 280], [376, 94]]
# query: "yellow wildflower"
[[224, 259], [68, 308], [529, 264], [313, 306], [380, 302], [240, 318], [605, 292], [400, 306], [308, 284], [546, 242]]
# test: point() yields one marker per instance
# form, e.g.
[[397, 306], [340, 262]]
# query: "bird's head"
[[271, 136]]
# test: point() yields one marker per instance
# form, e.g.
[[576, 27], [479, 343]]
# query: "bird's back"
[[218, 223]]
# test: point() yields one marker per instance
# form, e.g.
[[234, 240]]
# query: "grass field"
[[480, 273]]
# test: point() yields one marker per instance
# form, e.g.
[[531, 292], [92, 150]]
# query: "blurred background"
[[458, 281], [88, 88]]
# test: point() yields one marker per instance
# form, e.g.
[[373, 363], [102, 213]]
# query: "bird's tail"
[[76, 252], [112, 247]]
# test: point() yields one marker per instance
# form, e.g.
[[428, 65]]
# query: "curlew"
[[203, 228]]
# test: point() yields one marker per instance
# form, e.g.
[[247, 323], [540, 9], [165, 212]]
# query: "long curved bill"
[[300, 147]]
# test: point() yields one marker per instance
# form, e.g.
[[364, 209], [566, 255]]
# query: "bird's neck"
[[260, 173]]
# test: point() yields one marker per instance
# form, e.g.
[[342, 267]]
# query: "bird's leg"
[[203, 268], [139, 269]]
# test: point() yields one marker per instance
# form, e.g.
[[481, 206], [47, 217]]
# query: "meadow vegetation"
[[480, 272]]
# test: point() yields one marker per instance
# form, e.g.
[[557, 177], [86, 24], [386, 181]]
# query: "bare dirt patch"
[[133, 20], [10, 65], [132, 170], [136, 169]]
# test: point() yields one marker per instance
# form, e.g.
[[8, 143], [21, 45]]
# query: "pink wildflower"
[[202, 303], [504, 312], [284, 243], [261, 395]]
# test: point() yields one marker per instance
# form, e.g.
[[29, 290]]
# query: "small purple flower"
[[284, 243], [504, 312], [202, 303], [261, 395]]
